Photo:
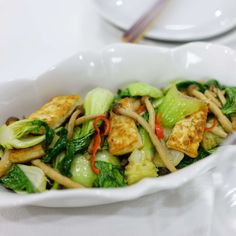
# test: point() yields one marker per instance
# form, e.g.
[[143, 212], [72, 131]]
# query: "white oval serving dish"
[[111, 68]]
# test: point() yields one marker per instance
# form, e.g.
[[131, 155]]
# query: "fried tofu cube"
[[124, 136], [57, 110], [26, 154], [188, 133]]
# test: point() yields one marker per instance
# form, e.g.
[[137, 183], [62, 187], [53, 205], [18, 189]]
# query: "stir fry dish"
[[114, 140]]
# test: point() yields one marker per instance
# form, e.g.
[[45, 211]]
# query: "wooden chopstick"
[[142, 25]]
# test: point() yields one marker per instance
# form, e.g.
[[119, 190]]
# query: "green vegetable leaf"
[[16, 180], [188, 160], [105, 156], [157, 102], [16, 135], [148, 147], [140, 89], [230, 105], [140, 162], [59, 147], [145, 116], [110, 176], [97, 101], [73, 146], [49, 132], [210, 141], [184, 84], [215, 83], [140, 166], [176, 106], [105, 145], [65, 165], [36, 176], [83, 142], [119, 96], [76, 132], [123, 93], [81, 171]]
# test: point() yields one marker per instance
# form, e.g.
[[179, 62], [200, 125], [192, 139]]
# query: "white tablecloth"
[[35, 35]]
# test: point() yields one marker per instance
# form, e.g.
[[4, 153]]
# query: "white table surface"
[[35, 35]]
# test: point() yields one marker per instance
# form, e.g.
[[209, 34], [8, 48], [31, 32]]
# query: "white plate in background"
[[180, 20], [111, 68]]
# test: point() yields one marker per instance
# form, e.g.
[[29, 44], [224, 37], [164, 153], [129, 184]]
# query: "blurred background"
[[35, 35]]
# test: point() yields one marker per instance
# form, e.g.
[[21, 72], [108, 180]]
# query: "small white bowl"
[[111, 68]]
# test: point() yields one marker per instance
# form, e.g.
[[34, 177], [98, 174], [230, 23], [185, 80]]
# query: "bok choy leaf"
[[23, 178], [110, 176], [97, 101], [16, 135], [59, 147], [230, 106], [176, 106], [140, 89]]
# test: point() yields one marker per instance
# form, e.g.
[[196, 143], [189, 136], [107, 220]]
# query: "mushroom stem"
[[219, 132], [221, 96], [56, 176], [157, 144], [210, 95], [151, 112], [224, 121], [83, 119], [71, 123]]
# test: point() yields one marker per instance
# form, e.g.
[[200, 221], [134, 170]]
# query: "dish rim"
[[144, 187]]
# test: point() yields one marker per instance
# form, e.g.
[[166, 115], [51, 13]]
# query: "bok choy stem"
[[56, 176], [151, 112]]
